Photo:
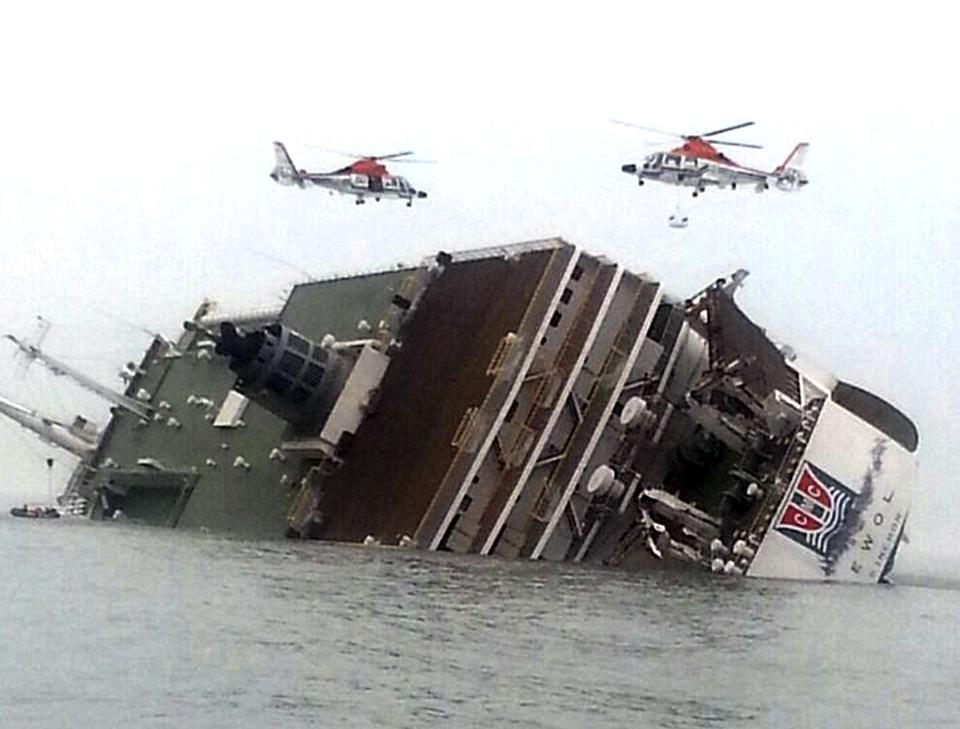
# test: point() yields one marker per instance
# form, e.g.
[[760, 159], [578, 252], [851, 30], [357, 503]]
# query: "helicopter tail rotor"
[[790, 174]]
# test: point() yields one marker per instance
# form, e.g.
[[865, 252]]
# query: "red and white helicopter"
[[698, 164], [366, 177]]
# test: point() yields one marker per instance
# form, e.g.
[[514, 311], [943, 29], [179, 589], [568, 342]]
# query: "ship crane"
[[78, 438], [61, 368]]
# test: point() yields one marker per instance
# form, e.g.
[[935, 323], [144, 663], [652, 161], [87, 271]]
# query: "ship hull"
[[530, 401]]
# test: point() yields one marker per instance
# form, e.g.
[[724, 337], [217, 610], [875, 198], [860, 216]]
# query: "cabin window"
[[298, 343], [360, 181], [672, 160], [290, 364], [313, 375], [390, 183]]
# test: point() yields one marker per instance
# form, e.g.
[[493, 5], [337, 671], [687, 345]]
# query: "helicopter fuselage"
[[366, 177], [363, 186], [686, 168]]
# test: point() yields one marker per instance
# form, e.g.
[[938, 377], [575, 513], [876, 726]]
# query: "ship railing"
[[786, 471], [380, 270], [510, 251], [254, 316], [464, 428]]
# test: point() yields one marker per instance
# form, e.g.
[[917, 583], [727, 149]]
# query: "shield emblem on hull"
[[816, 508]]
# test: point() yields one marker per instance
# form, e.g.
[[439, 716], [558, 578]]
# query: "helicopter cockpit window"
[[403, 184], [360, 181], [671, 160], [690, 162], [391, 183], [652, 162]]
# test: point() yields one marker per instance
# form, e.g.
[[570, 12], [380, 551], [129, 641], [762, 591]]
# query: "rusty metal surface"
[[401, 452]]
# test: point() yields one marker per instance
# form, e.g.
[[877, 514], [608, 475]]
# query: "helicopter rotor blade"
[[395, 155], [413, 161], [726, 129], [358, 155], [646, 129], [734, 144], [340, 152]]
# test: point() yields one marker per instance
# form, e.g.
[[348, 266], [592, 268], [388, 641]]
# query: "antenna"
[[61, 368], [41, 328]]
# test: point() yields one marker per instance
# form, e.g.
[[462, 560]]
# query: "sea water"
[[110, 625]]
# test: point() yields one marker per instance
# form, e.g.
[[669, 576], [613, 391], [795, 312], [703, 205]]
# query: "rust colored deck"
[[401, 452]]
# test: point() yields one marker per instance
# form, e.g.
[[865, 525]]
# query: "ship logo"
[[816, 509]]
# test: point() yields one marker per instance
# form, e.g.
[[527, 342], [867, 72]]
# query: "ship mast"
[[61, 368], [70, 438]]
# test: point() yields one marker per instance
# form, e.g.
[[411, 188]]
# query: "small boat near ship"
[[35, 512], [40, 511]]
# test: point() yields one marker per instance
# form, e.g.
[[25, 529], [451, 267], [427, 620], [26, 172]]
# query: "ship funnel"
[[295, 378]]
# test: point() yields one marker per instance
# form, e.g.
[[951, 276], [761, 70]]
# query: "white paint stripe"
[[581, 553], [558, 409], [598, 431], [628, 497], [501, 416], [678, 345]]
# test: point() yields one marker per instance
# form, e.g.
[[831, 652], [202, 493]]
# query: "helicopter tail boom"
[[284, 171], [790, 175]]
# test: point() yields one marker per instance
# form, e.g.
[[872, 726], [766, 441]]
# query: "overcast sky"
[[136, 145]]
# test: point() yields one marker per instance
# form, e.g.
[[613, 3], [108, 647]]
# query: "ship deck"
[[401, 453]]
